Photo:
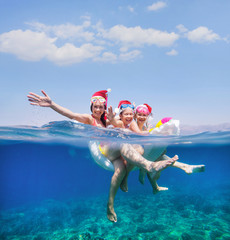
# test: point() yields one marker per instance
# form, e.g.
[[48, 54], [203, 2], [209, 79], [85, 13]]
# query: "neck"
[[126, 125], [140, 125], [96, 117]]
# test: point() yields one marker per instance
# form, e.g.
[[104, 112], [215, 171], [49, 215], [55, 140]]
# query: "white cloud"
[[131, 9], [181, 28], [99, 28], [69, 54], [113, 58], [118, 43], [173, 52], [124, 49], [107, 57], [137, 37], [27, 45], [202, 35], [129, 55], [86, 17], [226, 39], [66, 31], [156, 6], [34, 46]]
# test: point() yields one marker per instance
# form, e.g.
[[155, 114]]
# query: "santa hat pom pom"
[[116, 110]]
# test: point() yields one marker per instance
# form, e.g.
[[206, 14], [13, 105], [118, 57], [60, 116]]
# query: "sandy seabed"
[[168, 215]]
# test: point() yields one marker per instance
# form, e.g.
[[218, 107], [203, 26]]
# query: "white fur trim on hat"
[[116, 110]]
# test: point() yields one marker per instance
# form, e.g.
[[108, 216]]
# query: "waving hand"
[[40, 100]]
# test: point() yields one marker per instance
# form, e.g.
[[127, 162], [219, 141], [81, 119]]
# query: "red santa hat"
[[124, 102], [101, 96], [144, 108], [149, 108], [118, 109]]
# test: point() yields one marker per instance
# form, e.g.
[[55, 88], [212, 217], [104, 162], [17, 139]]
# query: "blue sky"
[[173, 55]]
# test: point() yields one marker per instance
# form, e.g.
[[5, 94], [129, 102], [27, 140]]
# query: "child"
[[142, 112]]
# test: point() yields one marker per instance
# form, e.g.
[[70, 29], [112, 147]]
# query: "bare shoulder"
[[134, 127], [120, 124], [133, 124], [83, 118]]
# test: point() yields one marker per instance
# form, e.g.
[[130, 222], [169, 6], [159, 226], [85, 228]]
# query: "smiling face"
[[141, 117], [98, 108], [127, 116]]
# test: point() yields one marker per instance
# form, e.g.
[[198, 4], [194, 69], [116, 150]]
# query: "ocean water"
[[51, 188]]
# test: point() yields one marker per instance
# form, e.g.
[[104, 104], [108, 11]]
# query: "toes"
[[112, 218], [175, 157], [200, 169], [123, 189]]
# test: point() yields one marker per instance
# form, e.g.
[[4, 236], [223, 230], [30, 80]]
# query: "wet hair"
[[102, 116]]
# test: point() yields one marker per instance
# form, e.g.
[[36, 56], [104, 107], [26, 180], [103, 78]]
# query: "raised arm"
[[112, 120], [39, 100], [45, 101]]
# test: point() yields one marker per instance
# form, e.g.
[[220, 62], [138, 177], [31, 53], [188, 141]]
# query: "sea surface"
[[51, 188]]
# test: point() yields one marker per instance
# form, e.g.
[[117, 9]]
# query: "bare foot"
[[194, 168], [154, 184], [158, 189], [156, 167], [124, 185], [111, 215]]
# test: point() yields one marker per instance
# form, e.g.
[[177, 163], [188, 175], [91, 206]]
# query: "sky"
[[173, 55]]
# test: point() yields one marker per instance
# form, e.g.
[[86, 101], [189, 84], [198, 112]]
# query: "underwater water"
[[51, 188]]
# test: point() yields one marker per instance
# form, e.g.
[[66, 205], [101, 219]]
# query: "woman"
[[98, 106], [113, 152], [97, 118]]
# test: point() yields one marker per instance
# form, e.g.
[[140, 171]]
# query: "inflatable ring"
[[166, 126], [99, 158]]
